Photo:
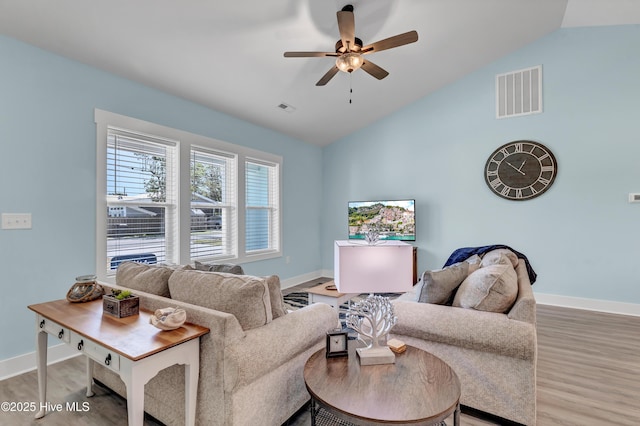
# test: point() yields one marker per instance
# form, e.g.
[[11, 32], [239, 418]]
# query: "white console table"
[[129, 346]]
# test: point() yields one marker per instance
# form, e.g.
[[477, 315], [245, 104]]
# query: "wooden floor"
[[588, 375]]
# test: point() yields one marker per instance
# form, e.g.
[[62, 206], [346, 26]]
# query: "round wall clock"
[[520, 170]]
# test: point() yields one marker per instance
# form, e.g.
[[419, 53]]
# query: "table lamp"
[[382, 267]]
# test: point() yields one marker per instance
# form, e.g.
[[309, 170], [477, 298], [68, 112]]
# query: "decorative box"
[[120, 308]]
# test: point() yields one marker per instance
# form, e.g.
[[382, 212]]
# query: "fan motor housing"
[[340, 48]]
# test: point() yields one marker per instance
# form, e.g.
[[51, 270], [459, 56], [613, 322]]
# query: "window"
[[213, 204], [262, 214], [169, 196], [141, 198]]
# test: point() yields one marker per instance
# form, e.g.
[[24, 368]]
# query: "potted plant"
[[120, 303]]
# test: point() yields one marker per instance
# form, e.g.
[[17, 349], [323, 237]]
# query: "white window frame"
[[185, 142], [273, 224]]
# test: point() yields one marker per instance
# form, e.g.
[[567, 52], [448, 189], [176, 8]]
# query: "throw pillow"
[[152, 279], [493, 288], [494, 257], [474, 263], [439, 285], [228, 268], [243, 296]]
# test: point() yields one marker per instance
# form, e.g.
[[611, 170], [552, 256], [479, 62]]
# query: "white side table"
[[320, 294]]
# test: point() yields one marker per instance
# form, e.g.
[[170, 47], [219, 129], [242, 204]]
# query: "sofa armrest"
[[265, 348], [468, 328]]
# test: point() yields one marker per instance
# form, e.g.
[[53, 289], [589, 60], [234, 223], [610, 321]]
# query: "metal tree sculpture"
[[372, 318], [372, 236]]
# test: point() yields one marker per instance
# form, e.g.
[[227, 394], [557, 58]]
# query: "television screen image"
[[394, 220]]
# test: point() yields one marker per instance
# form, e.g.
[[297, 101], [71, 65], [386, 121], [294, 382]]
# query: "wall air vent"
[[634, 198], [519, 92]]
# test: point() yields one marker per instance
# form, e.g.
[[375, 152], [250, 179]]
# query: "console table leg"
[[191, 372], [41, 354], [89, 377], [135, 397]]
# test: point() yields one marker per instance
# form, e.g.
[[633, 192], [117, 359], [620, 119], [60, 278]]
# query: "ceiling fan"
[[350, 50]]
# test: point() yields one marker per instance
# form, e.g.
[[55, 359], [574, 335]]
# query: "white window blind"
[[213, 204], [141, 198], [262, 219]]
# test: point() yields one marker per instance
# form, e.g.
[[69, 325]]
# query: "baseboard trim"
[[27, 362], [608, 306]]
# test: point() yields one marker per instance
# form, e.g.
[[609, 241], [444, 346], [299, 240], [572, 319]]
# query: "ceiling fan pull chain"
[[350, 87]]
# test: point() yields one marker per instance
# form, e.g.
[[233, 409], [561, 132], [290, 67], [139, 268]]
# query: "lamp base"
[[376, 356]]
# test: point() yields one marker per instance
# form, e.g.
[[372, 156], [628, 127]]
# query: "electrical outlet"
[[16, 220]]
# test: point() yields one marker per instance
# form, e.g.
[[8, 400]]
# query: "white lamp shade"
[[382, 268]]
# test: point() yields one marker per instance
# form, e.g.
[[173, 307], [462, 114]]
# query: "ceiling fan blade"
[[328, 76], [308, 54], [347, 27], [374, 70], [391, 42]]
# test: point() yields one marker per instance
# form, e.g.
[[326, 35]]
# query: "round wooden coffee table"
[[419, 388]]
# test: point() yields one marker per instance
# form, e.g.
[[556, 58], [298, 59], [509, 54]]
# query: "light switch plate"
[[16, 220]]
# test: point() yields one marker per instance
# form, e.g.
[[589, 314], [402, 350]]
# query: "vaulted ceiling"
[[228, 55]]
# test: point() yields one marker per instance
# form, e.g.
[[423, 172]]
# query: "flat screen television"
[[393, 219]]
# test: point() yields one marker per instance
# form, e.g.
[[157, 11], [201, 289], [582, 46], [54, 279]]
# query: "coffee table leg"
[[313, 412], [456, 416]]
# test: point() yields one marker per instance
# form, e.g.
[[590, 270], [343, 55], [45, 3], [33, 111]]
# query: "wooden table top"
[[322, 290], [132, 337], [418, 388]]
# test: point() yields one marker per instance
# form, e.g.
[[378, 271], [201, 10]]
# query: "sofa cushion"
[[278, 308], [499, 256], [244, 296], [152, 279], [228, 268], [492, 288], [439, 285], [273, 282]]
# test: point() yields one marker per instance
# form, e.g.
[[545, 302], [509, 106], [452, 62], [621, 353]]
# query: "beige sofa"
[[494, 354], [250, 373]]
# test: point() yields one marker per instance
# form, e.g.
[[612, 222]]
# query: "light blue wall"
[[47, 168], [582, 236]]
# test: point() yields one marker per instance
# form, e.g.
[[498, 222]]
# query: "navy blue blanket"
[[464, 253]]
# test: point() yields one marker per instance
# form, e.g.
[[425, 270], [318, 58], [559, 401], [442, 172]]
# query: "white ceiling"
[[228, 55]]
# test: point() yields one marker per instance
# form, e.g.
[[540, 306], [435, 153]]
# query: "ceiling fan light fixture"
[[349, 62]]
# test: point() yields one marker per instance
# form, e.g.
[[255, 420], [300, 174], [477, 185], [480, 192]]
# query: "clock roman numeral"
[[547, 168], [505, 191], [518, 193], [496, 183], [518, 147], [544, 181]]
